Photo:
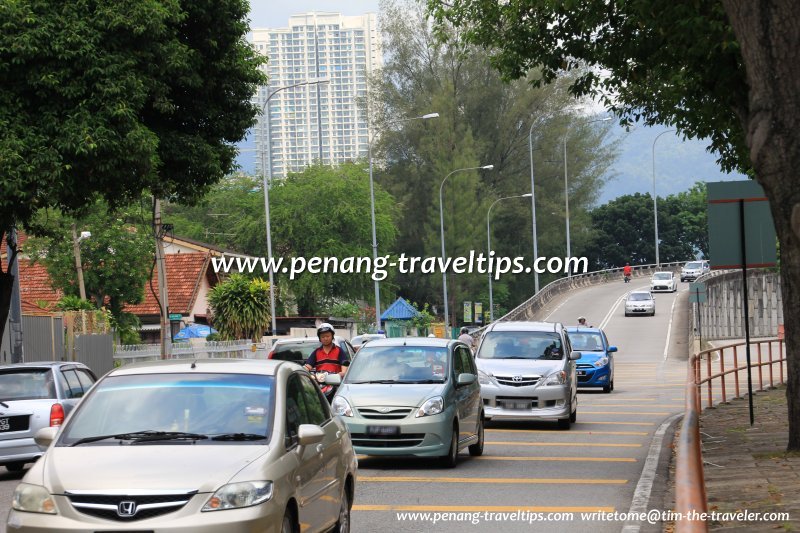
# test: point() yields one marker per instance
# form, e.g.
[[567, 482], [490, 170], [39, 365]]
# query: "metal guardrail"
[[239, 349], [690, 492], [528, 309]]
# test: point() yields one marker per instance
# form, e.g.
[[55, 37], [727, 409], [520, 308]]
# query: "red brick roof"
[[21, 238], [184, 273]]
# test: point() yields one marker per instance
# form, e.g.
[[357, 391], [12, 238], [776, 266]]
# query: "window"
[[465, 356], [316, 404], [458, 363], [74, 388]]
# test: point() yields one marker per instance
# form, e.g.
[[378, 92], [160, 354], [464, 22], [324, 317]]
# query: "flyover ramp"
[[607, 460]]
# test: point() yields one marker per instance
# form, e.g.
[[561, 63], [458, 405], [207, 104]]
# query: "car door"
[[475, 389], [465, 394], [329, 450], [73, 391], [309, 476]]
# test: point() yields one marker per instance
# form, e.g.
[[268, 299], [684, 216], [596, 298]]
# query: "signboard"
[[727, 200], [697, 293], [467, 311], [479, 312], [175, 316]]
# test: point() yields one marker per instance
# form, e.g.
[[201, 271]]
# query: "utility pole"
[[15, 313], [76, 250], [166, 327]]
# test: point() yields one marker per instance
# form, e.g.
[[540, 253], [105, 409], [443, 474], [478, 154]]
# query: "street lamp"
[[441, 227], [372, 209], [533, 213], [566, 183], [489, 247], [655, 205], [266, 181]]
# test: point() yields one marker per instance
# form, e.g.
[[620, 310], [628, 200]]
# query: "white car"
[[640, 303], [694, 269], [663, 281]]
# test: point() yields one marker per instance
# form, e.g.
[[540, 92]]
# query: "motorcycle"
[[328, 390], [627, 278]]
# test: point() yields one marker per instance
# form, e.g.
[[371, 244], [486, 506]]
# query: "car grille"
[[110, 507], [660, 287], [387, 441], [384, 414], [517, 381]]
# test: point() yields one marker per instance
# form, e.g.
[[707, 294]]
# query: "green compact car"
[[413, 396]]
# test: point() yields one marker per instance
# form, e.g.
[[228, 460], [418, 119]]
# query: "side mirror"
[[333, 379], [45, 436], [466, 379], [612, 349], [574, 355], [308, 434]]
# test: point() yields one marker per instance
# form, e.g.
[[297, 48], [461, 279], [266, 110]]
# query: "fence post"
[[722, 376], [736, 374]]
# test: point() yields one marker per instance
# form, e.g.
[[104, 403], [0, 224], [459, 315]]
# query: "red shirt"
[[332, 361], [626, 270]]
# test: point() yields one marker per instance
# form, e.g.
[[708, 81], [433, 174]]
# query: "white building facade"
[[315, 123]]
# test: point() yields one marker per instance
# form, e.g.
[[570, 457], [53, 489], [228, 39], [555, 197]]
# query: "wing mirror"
[[612, 349], [308, 434], [466, 379], [574, 355], [333, 379], [45, 436]]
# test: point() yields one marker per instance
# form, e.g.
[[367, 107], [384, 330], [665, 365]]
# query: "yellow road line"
[[571, 459], [580, 444], [583, 412], [476, 508], [585, 431], [582, 407], [620, 423], [491, 480]]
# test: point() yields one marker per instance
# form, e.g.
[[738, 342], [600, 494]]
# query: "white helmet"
[[325, 327]]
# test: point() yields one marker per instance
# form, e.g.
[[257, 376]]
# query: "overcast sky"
[[275, 14]]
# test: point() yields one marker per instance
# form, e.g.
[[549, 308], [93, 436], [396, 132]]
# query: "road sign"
[[697, 292], [725, 234], [479, 312], [175, 316], [467, 312]]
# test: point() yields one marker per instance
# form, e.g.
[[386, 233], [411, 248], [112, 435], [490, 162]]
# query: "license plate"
[[517, 405], [383, 431], [581, 372], [13, 423]]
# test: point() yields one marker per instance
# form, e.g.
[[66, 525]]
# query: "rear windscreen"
[[294, 351], [26, 384]]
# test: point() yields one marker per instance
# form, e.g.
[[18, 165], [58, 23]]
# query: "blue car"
[[595, 368]]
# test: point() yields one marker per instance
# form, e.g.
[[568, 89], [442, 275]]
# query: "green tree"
[[115, 98], [482, 121], [736, 86], [325, 212], [240, 307]]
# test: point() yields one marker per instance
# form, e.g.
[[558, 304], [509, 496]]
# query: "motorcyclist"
[[626, 272], [582, 322], [465, 337], [328, 357]]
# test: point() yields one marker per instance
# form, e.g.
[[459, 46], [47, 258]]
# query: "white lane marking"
[[610, 314], [669, 328], [556, 309], [641, 496]]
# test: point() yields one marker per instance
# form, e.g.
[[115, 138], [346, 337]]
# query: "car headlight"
[[559, 378], [433, 406], [33, 499], [485, 379], [341, 407], [603, 361], [238, 495]]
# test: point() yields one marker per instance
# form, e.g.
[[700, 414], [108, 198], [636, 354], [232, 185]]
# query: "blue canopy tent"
[[195, 331]]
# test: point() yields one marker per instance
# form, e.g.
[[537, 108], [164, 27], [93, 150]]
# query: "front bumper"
[[689, 276], [659, 288], [593, 376], [501, 402], [427, 436], [266, 517], [640, 310]]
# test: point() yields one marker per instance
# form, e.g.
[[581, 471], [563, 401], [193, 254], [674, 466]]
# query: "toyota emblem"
[[516, 379]]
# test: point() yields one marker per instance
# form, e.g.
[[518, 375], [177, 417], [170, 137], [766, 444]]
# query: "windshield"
[[26, 384], [662, 275], [521, 345], [399, 364], [206, 404], [693, 265], [586, 342], [639, 296]]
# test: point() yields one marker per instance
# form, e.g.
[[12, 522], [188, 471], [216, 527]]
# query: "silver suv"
[[527, 371], [693, 270]]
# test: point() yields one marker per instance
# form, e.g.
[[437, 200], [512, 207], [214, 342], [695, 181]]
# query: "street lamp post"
[[372, 209], [489, 246], [533, 213], [266, 179], [655, 205], [566, 183], [441, 228]]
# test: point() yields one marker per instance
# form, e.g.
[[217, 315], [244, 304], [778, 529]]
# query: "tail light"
[[270, 354], [56, 414]]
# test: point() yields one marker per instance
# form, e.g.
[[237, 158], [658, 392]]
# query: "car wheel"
[[573, 417], [608, 388], [15, 467], [564, 423], [288, 524], [343, 525], [451, 459], [477, 449]]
